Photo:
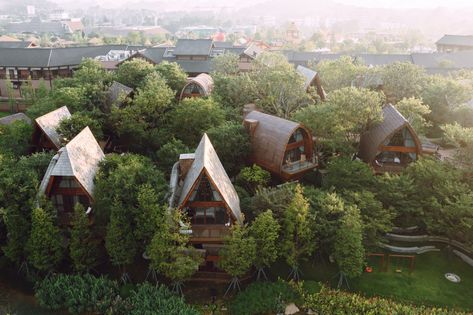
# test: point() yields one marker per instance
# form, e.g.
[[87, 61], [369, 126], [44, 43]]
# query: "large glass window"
[[297, 136], [193, 89], [210, 215]]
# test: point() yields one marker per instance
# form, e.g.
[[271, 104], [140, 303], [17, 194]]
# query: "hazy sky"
[[410, 3]]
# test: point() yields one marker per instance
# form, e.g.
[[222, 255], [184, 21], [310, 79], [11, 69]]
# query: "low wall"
[[409, 250], [428, 238]]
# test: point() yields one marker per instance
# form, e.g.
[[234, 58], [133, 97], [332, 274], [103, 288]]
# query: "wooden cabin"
[[69, 178], [391, 145], [200, 86], [206, 195], [45, 135], [311, 79], [283, 147]]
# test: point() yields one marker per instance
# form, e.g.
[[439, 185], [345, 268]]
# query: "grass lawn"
[[425, 285], [2, 114]]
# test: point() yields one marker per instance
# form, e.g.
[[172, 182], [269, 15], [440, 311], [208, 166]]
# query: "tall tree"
[[133, 72], [237, 255], [45, 243], [279, 87], [402, 80], [174, 75], [265, 230], [415, 111], [83, 248], [120, 241], [339, 73], [225, 138], [298, 239], [192, 117], [348, 247]]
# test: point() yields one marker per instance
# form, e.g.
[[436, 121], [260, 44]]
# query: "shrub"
[[263, 298], [157, 300], [329, 301], [77, 293]]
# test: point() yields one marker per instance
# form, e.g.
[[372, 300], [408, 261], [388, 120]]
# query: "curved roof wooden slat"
[[393, 122], [203, 80], [269, 139]]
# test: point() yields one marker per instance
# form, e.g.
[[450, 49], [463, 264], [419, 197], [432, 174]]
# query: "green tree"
[[253, 177], [265, 230], [462, 139], [120, 241], [348, 247], [72, 126], [237, 255], [279, 87], [339, 73], [133, 72], [402, 80], [173, 74], [415, 111], [147, 215], [298, 239], [345, 115], [344, 173], [225, 139], [83, 248], [169, 153], [45, 243], [226, 64], [169, 250], [15, 138], [234, 91], [192, 117], [19, 182]]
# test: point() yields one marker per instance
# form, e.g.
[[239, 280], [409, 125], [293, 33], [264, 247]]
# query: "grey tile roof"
[[154, 54], [195, 66], [15, 44], [308, 74], [38, 27], [52, 57], [206, 161], [382, 59], [196, 47], [456, 40], [50, 121], [218, 44], [15, 117], [393, 120], [453, 60], [80, 158]]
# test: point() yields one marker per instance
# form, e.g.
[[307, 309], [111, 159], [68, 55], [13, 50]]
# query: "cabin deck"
[[289, 170], [209, 233]]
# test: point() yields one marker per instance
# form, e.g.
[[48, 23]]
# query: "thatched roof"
[[393, 121], [50, 122], [207, 162], [7, 120], [80, 159], [269, 139], [203, 80]]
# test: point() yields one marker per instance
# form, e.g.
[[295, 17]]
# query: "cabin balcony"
[[209, 233], [394, 168], [294, 168]]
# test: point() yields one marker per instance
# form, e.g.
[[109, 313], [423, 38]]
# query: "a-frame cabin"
[[207, 196]]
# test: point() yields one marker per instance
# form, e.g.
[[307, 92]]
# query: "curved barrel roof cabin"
[[391, 145], [283, 147], [200, 86]]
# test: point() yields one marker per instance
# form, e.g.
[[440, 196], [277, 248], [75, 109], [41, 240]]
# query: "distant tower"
[[292, 33]]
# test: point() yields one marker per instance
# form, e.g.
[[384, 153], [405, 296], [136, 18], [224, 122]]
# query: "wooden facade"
[[391, 145], [283, 147]]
